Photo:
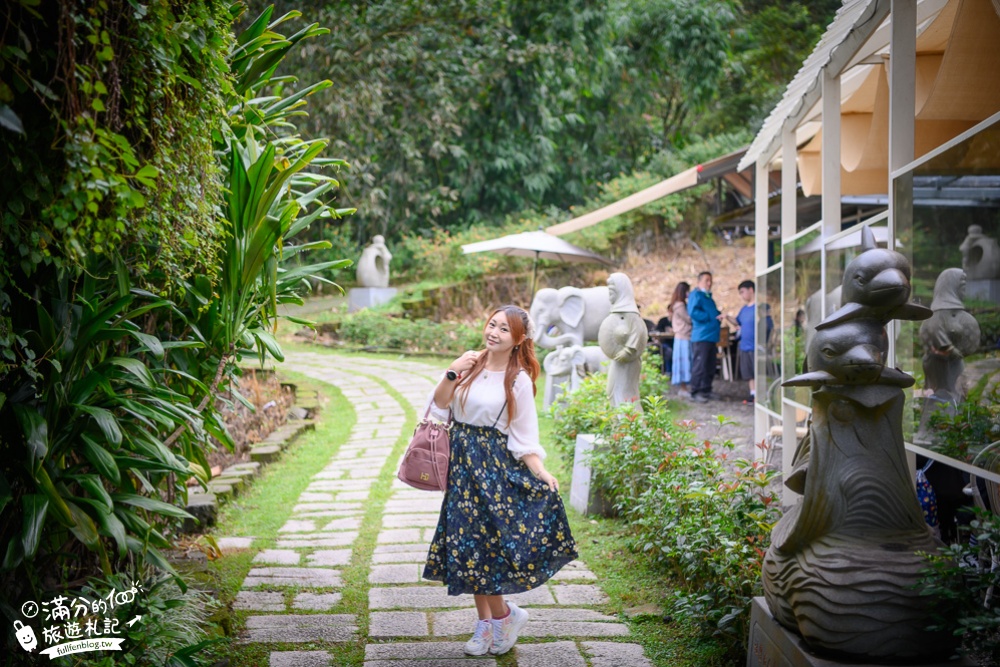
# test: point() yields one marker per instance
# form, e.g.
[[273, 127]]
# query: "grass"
[[626, 576], [629, 578], [264, 508]]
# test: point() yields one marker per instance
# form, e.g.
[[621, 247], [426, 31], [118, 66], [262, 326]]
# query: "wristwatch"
[[451, 375]]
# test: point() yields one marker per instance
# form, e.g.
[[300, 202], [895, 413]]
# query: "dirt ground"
[[654, 276]]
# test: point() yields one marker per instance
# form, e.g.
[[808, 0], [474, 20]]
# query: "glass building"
[[894, 121]]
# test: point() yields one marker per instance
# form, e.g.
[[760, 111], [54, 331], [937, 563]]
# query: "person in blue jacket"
[[705, 325]]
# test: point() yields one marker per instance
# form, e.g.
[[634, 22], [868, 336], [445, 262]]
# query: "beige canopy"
[[954, 48]]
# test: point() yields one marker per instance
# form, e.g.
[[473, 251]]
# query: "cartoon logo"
[[25, 636]]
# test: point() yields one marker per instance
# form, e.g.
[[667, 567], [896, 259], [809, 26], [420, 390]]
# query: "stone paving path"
[[411, 622]]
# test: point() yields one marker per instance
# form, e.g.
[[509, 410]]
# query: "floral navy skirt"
[[501, 530]]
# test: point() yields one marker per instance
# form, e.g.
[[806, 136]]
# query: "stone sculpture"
[[623, 337], [980, 255], [576, 313], [843, 562], [948, 336], [373, 266], [570, 364]]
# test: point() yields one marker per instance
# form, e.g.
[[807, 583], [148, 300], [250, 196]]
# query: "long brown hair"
[[522, 357], [680, 294]]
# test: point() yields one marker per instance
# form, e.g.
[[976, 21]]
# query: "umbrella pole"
[[534, 278]]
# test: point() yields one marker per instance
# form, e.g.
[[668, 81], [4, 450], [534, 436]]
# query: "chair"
[[722, 354]]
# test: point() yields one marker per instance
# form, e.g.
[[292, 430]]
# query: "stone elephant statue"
[[570, 363], [577, 314]]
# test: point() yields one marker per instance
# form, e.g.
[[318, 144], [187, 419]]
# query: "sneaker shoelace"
[[483, 628]]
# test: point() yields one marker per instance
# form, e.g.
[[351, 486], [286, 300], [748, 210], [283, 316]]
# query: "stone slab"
[[457, 623], [614, 654], [313, 497], [297, 526], [391, 624], [401, 557], [343, 524], [327, 514], [300, 659], [772, 645], [410, 520], [278, 557], [408, 573], [408, 506], [397, 548], [316, 601], [415, 651], [327, 540], [340, 485], [467, 661], [576, 594], [299, 628], [309, 577], [265, 453], [228, 543], [397, 535], [551, 654], [573, 575], [329, 557], [437, 597], [259, 601], [403, 492], [353, 495]]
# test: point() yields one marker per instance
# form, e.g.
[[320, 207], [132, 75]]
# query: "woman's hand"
[[547, 477], [465, 362]]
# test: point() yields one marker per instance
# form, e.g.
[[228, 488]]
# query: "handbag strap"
[[427, 413], [500, 414]]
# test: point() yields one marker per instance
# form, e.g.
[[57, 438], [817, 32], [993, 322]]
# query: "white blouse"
[[485, 400]]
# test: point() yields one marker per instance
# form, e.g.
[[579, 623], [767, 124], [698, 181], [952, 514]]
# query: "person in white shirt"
[[503, 526]]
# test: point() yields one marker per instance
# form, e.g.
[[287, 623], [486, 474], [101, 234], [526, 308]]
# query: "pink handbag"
[[425, 463]]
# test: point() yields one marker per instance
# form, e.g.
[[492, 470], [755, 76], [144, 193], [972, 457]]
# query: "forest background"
[[166, 166], [465, 119]]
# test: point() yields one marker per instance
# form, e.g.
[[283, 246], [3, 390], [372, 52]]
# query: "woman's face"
[[497, 335]]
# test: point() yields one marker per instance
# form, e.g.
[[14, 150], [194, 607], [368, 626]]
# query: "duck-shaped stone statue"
[[844, 562], [876, 285]]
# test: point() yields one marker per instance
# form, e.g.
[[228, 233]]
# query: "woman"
[[503, 527], [680, 373]]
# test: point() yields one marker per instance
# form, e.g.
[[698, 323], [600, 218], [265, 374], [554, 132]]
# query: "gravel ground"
[[730, 404]]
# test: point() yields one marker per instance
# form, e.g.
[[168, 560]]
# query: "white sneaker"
[[505, 630], [482, 639]]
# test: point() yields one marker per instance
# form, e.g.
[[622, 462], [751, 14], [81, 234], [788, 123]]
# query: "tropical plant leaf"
[[35, 429], [112, 527], [83, 527], [35, 507], [105, 420], [151, 504]]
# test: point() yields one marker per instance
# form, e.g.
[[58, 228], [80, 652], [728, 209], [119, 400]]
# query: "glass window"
[[802, 307], [769, 347], [947, 218]]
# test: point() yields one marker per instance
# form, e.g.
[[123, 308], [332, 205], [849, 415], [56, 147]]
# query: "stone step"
[[204, 507], [265, 453]]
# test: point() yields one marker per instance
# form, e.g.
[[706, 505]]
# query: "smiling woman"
[[503, 527]]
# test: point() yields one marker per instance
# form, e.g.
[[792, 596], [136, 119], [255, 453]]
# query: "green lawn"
[[627, 577]]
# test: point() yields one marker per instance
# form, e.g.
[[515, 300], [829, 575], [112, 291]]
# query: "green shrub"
[[587, 409], [699, 512], [963, 579], [374, 329], [107, 391], [171, 631]]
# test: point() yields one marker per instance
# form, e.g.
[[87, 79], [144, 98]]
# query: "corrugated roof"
[[855, 21]]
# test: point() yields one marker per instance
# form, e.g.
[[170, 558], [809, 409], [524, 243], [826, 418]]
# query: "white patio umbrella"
[[540, 245]]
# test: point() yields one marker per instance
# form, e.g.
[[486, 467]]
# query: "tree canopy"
[[463, 111]]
